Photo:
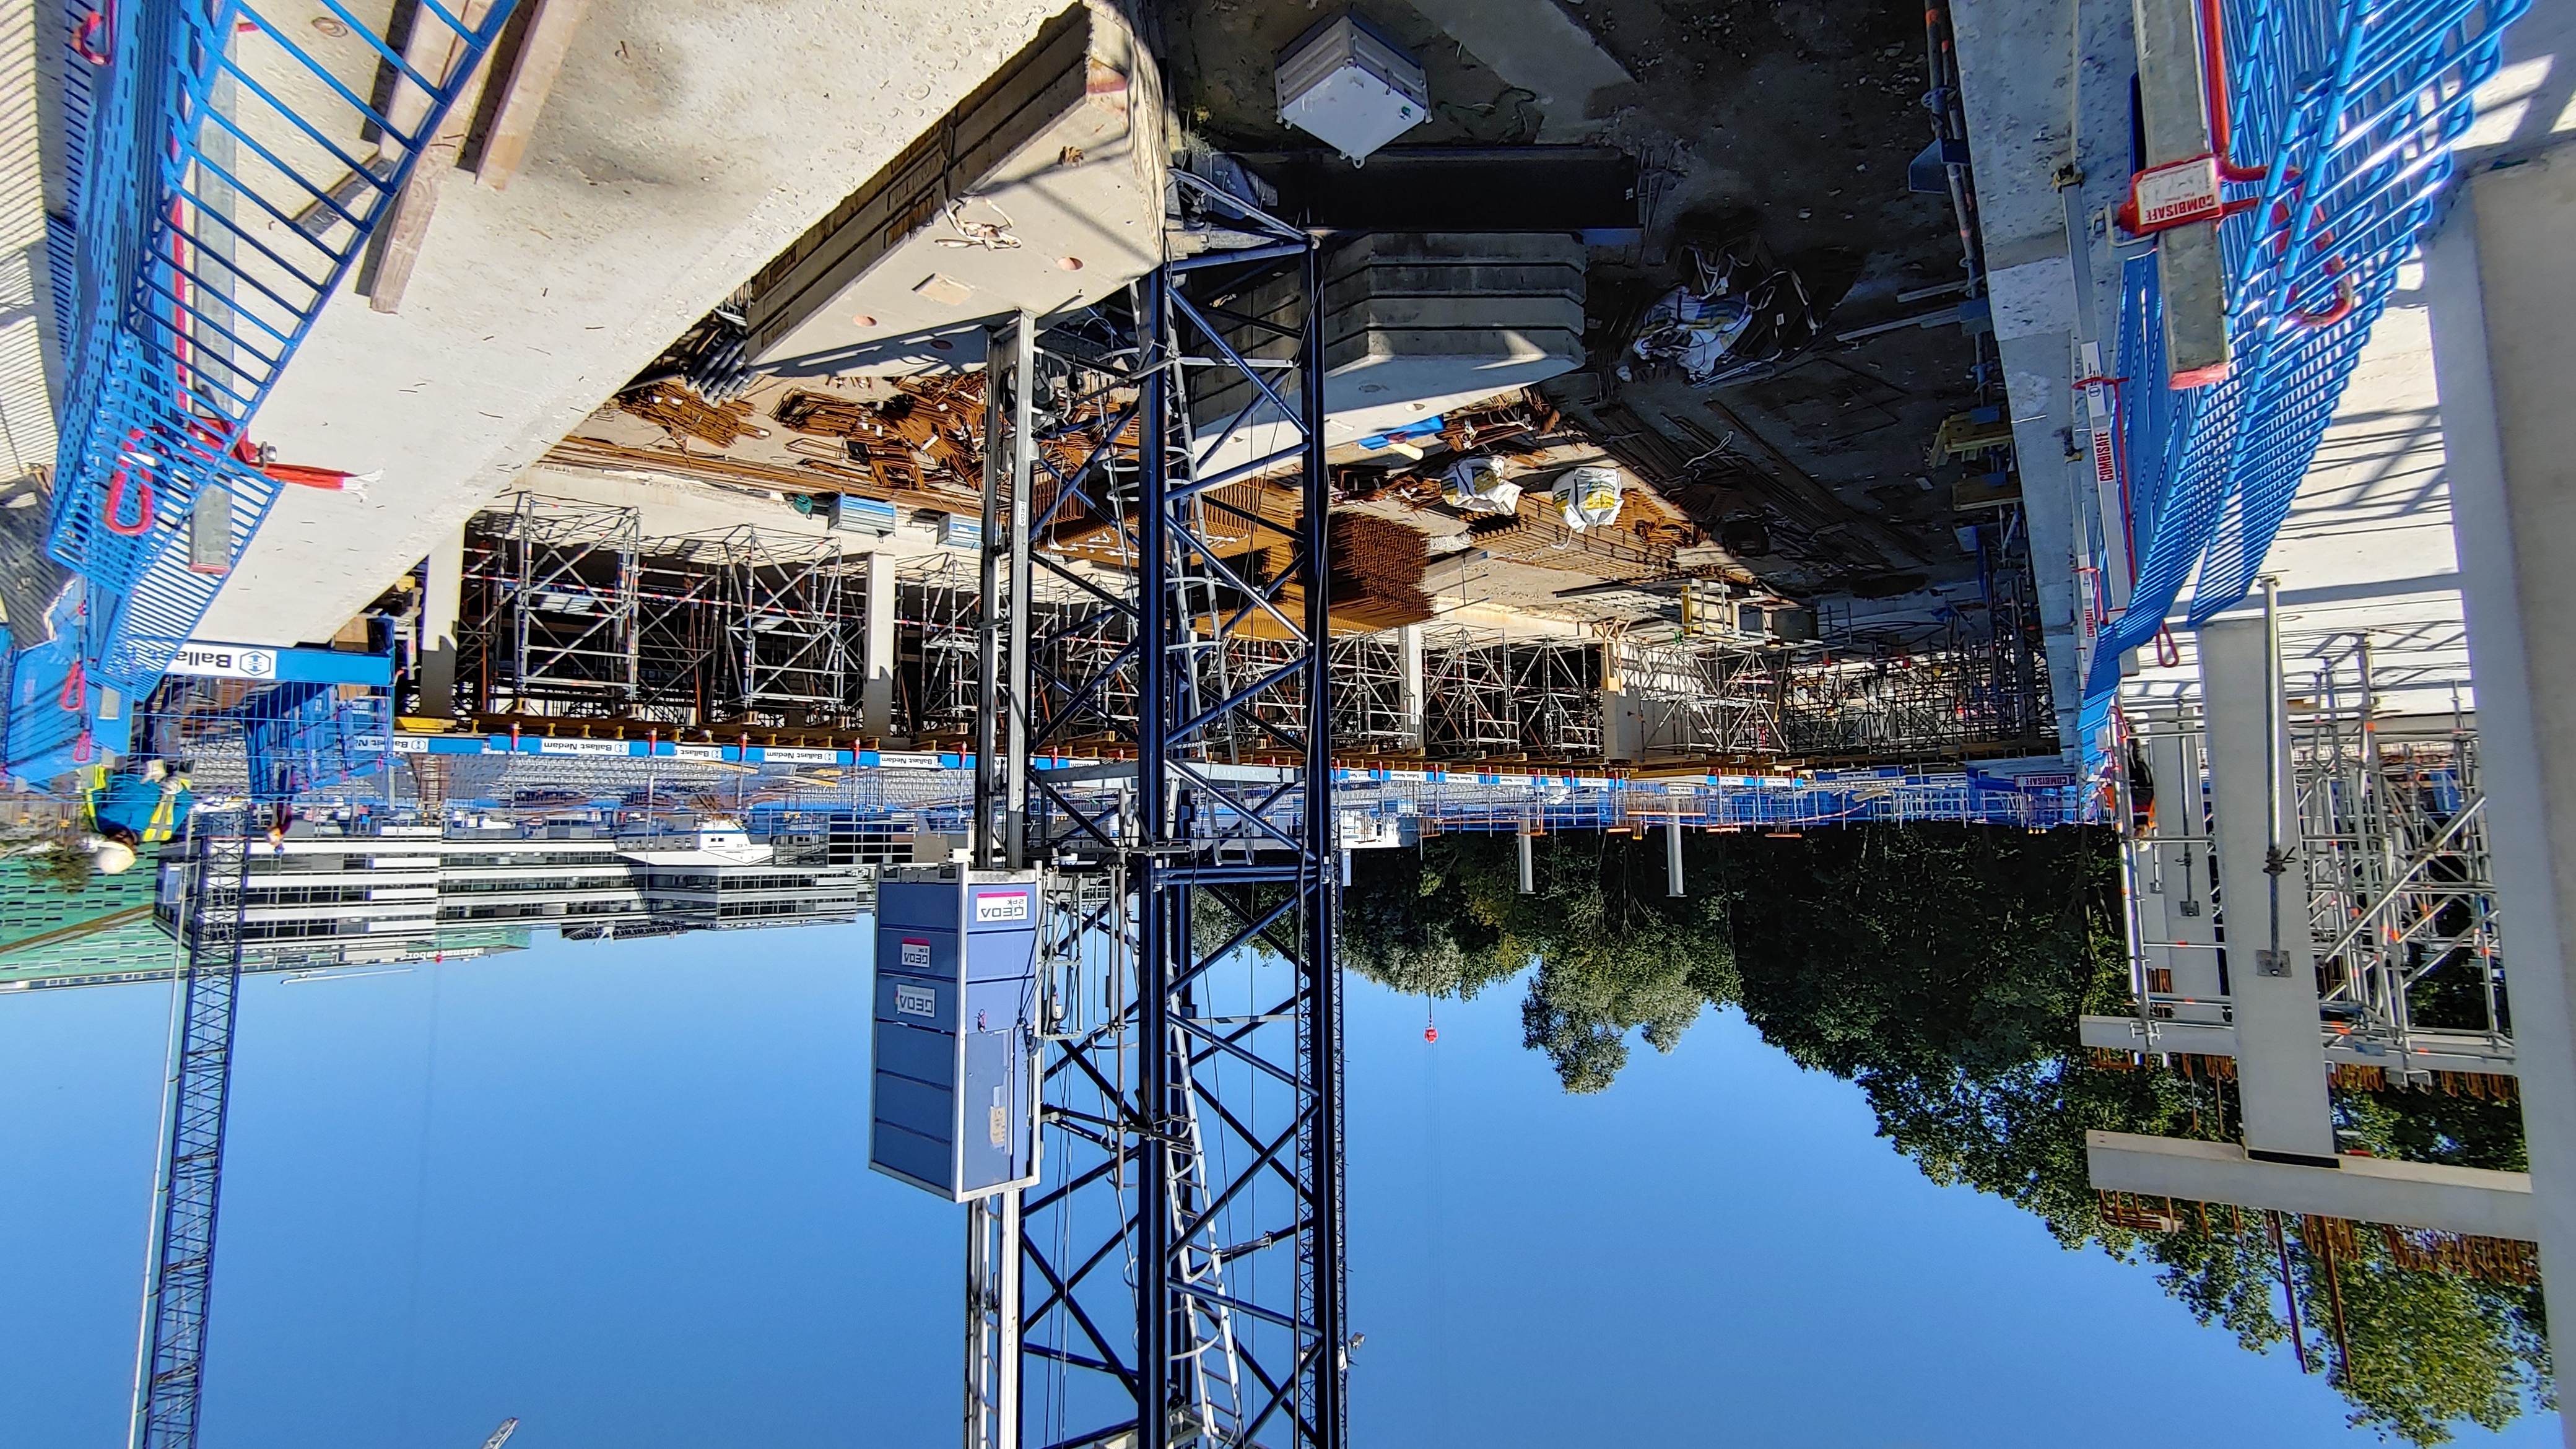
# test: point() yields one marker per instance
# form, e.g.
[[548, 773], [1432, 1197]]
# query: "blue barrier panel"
[[229, 170]]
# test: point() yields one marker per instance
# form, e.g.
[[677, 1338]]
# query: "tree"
[[1613, 954], [1942, 968]]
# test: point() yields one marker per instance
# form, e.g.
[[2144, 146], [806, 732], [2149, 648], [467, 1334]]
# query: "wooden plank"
[[523, 95], [396, 248]]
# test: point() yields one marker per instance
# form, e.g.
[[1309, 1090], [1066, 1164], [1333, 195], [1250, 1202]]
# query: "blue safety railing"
[[2348, 110], [229, 169], [302, 737]]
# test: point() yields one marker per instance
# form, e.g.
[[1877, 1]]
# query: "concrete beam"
[[2280, 1063], [2173, 104], [876, 653], [2502, 284], [1408, 643], [442, 603], [2465, 1200]]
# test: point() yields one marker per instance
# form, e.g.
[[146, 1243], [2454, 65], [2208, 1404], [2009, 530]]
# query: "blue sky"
[[620, 1191]]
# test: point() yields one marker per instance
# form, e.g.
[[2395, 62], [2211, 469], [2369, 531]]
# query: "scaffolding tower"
[[794, 621], [1371, 710], [570, 612], [1696, 698], [1468, 709], [1556, 686], [937, 693], [551, 608], [681, 644], [2401, 887]]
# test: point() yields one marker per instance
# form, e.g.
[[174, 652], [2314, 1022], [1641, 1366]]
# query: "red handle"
[[116, 484], [2345, 300], [94, 27], [2213, 71]]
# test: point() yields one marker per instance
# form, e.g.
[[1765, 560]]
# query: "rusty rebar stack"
[[1377, 567]]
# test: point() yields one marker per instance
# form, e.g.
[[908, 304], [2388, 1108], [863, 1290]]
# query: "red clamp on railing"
[[75, 690], [116, 484], [94, 38], [2345, 299]]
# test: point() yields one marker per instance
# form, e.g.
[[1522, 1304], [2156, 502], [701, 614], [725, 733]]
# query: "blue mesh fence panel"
[[2351, 107], [231, 169]]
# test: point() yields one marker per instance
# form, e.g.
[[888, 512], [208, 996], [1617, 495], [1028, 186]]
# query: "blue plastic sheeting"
[[2351, 108], [212, 218]]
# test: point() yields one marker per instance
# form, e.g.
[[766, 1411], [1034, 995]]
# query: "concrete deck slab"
[[680, 149]]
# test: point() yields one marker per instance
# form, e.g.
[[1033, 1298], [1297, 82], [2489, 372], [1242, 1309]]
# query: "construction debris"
[[1738, 312], [674, 407]]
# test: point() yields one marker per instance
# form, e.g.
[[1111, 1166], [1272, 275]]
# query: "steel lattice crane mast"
[[1176, 1278]]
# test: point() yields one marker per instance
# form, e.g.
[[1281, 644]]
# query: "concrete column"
[[442, 600], [2280, 1056], [2501, 281], [877, 661], [1408, 643]]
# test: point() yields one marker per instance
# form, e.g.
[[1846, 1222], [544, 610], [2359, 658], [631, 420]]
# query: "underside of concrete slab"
[[678, 152]]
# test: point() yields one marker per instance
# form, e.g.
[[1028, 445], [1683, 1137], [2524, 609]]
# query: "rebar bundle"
[[675, 407], [1377, 572]]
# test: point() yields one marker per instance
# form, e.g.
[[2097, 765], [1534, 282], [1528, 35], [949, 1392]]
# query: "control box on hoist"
[[954, 1092]]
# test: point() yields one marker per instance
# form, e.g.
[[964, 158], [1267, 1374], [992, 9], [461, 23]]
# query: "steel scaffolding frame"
[[2393, 848], [1557, 689], [1096, 645], [1187, 1246], [1696, 698], [937, 692], [680, 632], [1468, 708], [1238, 660], [569, 611], [1370, 716], [1898, 705], [2401, 884], [796, 605], [553, 586]]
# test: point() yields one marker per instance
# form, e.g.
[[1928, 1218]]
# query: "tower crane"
[[1171, 1271]]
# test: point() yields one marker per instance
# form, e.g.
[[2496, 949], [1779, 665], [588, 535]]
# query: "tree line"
[[1941, 969]]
